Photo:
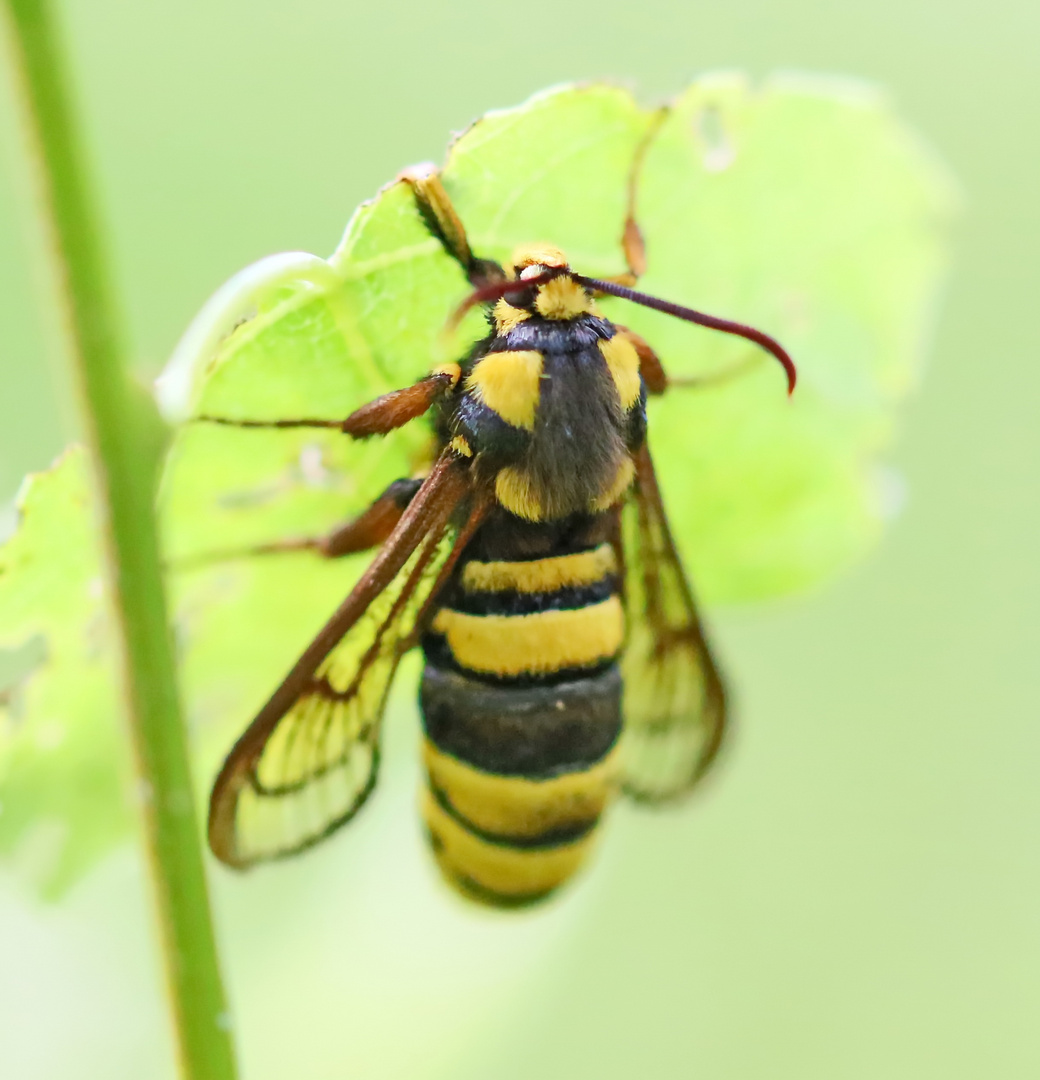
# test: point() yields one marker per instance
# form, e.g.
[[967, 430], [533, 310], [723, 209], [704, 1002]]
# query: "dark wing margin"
[[674, 697], [309, 759]]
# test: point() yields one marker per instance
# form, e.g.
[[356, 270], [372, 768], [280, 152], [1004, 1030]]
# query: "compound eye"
[[532, 271]]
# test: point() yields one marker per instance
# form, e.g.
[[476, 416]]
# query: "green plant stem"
[[120, 435]]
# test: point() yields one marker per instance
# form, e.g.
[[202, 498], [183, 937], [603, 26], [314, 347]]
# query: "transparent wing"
[[674, 698], [769, 495], [309, 760]]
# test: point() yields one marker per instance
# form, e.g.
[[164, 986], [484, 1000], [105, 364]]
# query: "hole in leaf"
[[312, 468], [717, 149]]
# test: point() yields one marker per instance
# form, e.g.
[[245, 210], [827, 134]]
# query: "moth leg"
[[372, 526], [656, 378], [632, 245], [378, 417], [394, 410], [368, 530], [650, 367], [443, 221], [719, 378]]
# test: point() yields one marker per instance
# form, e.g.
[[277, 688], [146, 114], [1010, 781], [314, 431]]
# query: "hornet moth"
[[532, 563]]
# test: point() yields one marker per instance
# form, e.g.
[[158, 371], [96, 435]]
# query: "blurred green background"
[[855, 894]]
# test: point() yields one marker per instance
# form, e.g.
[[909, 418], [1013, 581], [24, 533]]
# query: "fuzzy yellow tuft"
[[515, 493], [453, 371], [562, 298], [508, 317]]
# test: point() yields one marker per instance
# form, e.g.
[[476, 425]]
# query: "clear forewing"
[[309, 760], [674, 698]]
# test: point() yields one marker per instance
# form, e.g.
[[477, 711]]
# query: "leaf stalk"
[[120, 424]]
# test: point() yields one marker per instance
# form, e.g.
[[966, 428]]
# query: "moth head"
[[554, 294], [540, 281]]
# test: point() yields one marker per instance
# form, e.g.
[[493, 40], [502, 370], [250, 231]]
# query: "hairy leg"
[[367, 530], [656, 378], [378, 417]]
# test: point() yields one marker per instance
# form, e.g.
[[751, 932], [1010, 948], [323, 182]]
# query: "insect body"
[[533, 564], [521, 696]]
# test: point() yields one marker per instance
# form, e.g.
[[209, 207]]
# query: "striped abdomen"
[[521, 702]]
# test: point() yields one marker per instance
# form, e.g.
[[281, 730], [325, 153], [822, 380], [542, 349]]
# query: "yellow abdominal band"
[[494, 835], [522, 720], [545, 641], [540, 575]]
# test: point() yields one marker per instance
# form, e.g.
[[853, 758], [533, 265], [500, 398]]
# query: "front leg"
[[397, 408], [378, 417]]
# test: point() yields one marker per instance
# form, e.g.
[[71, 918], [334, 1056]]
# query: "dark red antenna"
[[771, 345], [495, 290]]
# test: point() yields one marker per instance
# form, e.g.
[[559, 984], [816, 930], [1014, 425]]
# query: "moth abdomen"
[[521, 703]]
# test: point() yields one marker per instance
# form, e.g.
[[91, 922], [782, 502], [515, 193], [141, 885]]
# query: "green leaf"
[[808, 210], [299, 337], [804, 208], [61, 805]]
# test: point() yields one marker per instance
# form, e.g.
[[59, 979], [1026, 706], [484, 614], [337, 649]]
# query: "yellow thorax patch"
[[509, 383], [623, 363]]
